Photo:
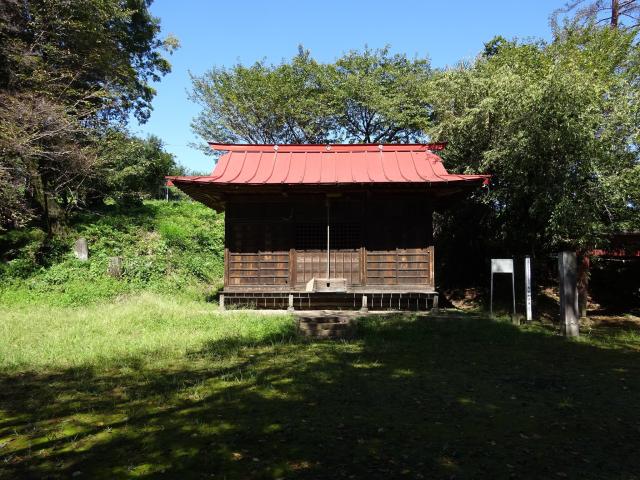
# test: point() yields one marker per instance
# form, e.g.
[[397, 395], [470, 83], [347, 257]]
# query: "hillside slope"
[[174, 248]]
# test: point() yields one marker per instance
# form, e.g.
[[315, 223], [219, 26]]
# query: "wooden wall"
[[379, 242]]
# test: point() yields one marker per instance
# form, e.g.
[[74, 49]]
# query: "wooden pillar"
[[226, 257], [328, 239], [569, 313], [432, 260], [292, 268]]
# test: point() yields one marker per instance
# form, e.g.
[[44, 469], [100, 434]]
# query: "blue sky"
[[224, 33]]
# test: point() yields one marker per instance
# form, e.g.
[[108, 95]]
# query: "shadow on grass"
[[411, 398]]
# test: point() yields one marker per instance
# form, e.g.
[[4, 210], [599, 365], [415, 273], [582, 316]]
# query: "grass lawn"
[[148, 387]]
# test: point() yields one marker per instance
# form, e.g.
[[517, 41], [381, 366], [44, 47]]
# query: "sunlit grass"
[[149, 386], [141, 328]]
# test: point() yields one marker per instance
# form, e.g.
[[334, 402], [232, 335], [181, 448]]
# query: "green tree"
[[378, 97], [557, 127], [47, 156], [132, 169], [263, 103], [98, 55], [367, 96], [68, 71]]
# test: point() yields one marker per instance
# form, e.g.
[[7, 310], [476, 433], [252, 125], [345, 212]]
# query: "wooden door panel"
[[313, 264]]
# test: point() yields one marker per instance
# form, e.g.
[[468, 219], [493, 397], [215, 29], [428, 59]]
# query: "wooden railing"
[[359, 267], [410, 266]]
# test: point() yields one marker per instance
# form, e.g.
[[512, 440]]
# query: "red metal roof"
[[328, 164]]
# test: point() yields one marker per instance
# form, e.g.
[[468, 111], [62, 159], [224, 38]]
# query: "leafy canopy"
[[364, 96], [70, 72], [133, 168], [556, 126], [97, 54]]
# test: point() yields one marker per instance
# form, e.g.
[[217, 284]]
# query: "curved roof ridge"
[[320, 147]]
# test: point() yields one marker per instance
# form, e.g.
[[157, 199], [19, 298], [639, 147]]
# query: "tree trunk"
[[40, 201], [51, 215], [57, 216], [615, 13], [584, 266]]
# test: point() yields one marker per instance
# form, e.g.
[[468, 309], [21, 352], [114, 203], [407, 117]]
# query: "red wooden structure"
[[317, 226]]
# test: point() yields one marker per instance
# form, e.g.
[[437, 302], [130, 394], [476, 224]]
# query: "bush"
[[175, 234], [168, 247], [21, 252]]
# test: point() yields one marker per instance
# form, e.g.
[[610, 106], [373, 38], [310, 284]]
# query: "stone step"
[[326, 327]]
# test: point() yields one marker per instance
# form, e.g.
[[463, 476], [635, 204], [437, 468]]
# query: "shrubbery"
[[171, 247]]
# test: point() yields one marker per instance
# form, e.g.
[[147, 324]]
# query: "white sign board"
[[501, 265]]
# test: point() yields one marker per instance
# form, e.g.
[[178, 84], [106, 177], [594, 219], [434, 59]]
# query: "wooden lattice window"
[[253, 237], [346, 235], [311, 236]]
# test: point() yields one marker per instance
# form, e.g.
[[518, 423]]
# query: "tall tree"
[[101, 54], [367, 96], [616, 13], [132, 168], [379, 97], [46, 154], [68, 70], [557, 126], [263, 103]]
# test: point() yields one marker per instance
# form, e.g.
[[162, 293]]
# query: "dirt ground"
[[546, 308]]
